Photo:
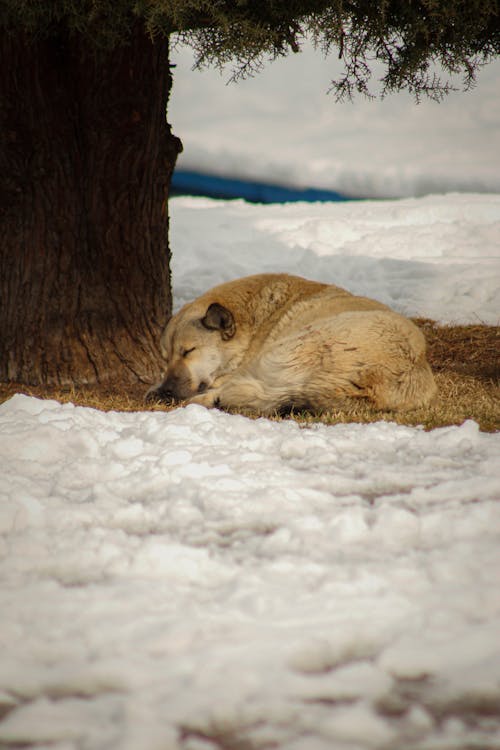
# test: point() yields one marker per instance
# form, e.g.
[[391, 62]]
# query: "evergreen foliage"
[[411, 38], [407, 37]]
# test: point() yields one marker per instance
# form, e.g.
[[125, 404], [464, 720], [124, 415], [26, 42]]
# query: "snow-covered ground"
[[195, 580], [282, 127], [435, 257], [173, 577]]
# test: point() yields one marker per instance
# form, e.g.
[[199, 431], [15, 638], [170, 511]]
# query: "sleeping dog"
[[273, 342]]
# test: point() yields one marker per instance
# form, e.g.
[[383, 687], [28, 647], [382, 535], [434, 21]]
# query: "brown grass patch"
[[465, 360]]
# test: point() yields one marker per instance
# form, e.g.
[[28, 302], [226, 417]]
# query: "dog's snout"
[[175, 387]]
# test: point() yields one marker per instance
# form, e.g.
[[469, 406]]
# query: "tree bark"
[[86, 158]]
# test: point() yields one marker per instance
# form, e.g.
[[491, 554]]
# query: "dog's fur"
[[272, 342]]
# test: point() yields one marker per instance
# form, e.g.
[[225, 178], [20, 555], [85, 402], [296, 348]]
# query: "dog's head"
[[198, 345]]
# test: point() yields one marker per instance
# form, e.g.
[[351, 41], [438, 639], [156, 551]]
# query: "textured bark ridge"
[[86, 158]]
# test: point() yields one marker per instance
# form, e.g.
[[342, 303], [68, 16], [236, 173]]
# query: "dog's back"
[[332, 346]]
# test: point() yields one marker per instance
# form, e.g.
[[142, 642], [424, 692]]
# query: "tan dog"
[[273, 342]]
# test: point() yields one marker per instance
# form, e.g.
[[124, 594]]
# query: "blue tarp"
[[185, 182]]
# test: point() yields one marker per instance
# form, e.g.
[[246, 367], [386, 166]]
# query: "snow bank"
[[436, 257], [283, 128], [174, 580]]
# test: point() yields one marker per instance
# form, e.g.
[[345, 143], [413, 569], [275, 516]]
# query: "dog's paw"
[[158, 394], [210, 399]]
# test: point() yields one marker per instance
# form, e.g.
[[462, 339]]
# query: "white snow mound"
[[192, 578]]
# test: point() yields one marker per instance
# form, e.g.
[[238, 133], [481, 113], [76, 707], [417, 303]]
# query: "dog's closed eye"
[[186, 352]]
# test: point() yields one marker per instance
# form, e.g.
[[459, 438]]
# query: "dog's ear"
[[219, 318]]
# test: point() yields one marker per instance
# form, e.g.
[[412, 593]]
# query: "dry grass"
[[465, 360]]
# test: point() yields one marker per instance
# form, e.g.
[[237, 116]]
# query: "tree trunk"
[[86, 158]]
